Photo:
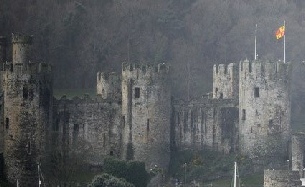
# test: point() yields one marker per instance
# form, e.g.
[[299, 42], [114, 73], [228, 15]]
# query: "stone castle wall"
[[92, 124], [264, 108], [208, 123], [297, 152], [281, 178], [146, 111]]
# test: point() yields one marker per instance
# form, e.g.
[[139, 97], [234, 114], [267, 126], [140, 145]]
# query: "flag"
[[280, 32]]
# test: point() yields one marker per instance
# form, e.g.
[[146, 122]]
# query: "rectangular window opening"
[[243, 117], [147, 126], [137, 93], [29, 147], [25, 92], [256, 92], [7, 123]]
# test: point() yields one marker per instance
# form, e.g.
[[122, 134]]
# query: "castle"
[[134, 116]]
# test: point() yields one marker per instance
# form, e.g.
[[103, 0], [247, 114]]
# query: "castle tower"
[[27, 97], [264, 109], [225, 81], [109, 85], [146, 111]]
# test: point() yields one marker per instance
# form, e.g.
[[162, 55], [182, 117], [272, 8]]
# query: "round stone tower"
[[264, 109], [27, 103], [146, 110]]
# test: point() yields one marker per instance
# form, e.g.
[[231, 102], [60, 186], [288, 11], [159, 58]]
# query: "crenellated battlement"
[[107, 76], [265, 69], [222, 69], [225, 81], [142, 70], [30, 68], [23, 39]]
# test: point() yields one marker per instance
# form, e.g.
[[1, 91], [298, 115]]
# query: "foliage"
[[106, 180], [133, 171], [65, 163]]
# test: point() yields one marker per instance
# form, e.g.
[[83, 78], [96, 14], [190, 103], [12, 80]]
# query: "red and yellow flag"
[[280, 32]]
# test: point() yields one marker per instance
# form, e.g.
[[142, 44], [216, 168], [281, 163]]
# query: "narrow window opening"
[[104, 140], [28, 146], [270, 122], [76, 128], [111, 153], [123, 121], [251, 130], [137, 93], [250, 67], [75, 132], [256, 92], [147, 126], [31, 94], [7, 123], [25, 92], [243, 117]]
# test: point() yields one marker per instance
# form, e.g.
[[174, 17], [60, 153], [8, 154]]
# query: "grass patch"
[[70, 93]]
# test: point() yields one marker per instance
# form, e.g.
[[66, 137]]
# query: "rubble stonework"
[[225, 81], [27, 109], [146, 112], [264, 108], [281, 178]]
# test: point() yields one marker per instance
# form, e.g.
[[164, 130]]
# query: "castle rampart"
[[94, 123], [264, 108], [206, 123]]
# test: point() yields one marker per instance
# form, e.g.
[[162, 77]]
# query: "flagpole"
[[284, 42], [255, 43]]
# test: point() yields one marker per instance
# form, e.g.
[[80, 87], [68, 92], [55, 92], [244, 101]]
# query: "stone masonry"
[[264, 109], [27, 109], [133, 116]]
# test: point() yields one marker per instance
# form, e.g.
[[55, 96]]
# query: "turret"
[[109, 85], [225, 81], [21, 48]]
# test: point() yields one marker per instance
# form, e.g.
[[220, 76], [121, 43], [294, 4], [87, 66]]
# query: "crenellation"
[[247, 111], [225, 84]]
